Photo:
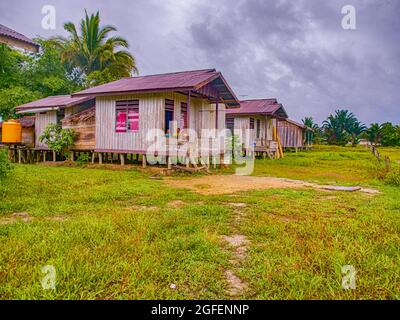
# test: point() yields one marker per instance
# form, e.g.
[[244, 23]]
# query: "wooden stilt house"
[[293, 134], [259, 117], [129, 111]]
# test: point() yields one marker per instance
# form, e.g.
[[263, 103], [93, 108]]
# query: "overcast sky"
[[296, 51]]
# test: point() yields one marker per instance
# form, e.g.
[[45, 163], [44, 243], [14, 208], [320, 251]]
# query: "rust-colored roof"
[[177, 81], [297, 124], [5, 31], [26, 122], [53, 101], [269, 107]]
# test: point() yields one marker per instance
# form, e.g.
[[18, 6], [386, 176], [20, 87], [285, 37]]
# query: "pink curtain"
[[121, 121]]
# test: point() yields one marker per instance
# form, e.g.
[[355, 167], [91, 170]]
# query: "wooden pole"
[[122, 156], [100, 158], [144, 161], [54, 156], [188, 109]]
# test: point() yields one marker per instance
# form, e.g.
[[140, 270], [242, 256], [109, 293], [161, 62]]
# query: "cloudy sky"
[[296, 51]]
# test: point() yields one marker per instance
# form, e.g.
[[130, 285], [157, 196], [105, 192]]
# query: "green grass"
[[115, 235]]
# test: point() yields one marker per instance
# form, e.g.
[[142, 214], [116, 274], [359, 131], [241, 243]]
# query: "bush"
[[56, 138], [393, 178], [83, 158], [5, 165], [388, 176]]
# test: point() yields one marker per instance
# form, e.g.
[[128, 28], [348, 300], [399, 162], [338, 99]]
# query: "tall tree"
[[374, 133], [94, 52], [355, 129], [310, 135]]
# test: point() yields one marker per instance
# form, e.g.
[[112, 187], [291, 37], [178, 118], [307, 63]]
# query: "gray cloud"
[[296, 52]]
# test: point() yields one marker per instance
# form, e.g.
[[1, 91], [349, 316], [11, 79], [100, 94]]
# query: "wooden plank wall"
[[266, 130], [41, 121], [86, 135], [151, 116], [28, 137], [290, 134]]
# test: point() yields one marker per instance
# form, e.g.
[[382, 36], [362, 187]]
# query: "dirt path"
[[237, 245], [226, 184]]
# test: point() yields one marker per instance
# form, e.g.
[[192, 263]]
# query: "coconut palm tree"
[[309, 122], [335, 127], [374, 133], [93, 50], [355, 129]]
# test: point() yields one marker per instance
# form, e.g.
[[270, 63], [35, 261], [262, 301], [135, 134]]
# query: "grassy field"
[[117, 234]]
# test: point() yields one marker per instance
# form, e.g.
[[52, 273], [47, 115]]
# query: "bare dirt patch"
[[176, 204], [236, 285], [15, 217], [228, 184]]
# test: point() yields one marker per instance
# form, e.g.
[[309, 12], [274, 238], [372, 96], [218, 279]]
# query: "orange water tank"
[[12, 132]]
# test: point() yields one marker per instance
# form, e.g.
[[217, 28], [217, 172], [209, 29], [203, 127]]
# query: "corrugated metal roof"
[[259, 106], [26, 122], [177, 81], [53, 101], [298, 124], [6, 31]]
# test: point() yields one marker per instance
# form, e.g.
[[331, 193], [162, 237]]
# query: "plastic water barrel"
[[11, 132]]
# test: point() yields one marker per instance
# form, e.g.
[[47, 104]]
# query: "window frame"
[[127, 106], [258, 129], [251, 123]]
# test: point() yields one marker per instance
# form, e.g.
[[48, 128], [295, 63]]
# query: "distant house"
[[14, 39], [292, 134], [53, 110], [117, 117], [259, 117]]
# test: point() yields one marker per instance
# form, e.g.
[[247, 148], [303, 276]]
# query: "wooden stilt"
[[72, 156], [122, 156], [44, 156], [169, 163], [100, 158], [144, 161], [54, 156], [93, 157], [19, 156]]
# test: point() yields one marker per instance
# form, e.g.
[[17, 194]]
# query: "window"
[[230, 123], [127, 115], [251, 123], [169, 114], [184, 116], [258, 128], [60, 115]]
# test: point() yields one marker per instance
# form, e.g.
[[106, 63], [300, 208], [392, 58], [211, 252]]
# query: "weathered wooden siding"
[[151, 116], [85, 135], [41, 121], [28, 137], [290, 135]]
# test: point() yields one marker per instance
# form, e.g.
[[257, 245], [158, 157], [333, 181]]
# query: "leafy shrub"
[[393, 178], [56, 138], [5, 165], [388, 176], [83, 158]]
